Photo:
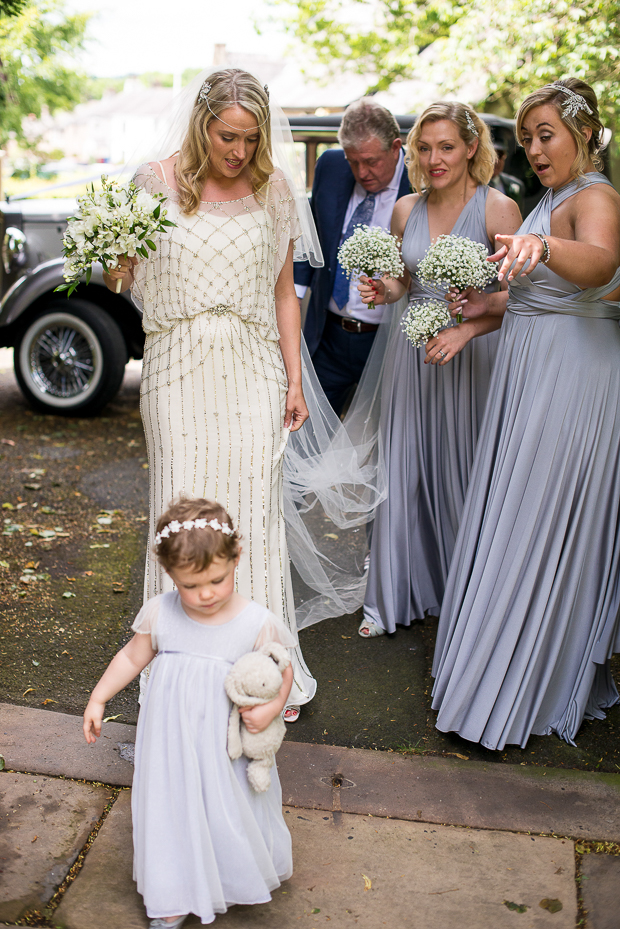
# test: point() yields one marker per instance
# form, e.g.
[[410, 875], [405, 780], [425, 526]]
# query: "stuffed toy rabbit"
[[254, 679]]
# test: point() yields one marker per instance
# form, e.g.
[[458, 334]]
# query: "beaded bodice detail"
[[224, 259]]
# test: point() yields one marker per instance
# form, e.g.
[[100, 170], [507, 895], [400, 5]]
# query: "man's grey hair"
[[364, 120]]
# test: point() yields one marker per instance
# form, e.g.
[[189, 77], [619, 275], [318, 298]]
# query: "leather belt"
[[352, 325]]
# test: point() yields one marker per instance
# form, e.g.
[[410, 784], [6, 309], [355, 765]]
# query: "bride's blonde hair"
[[230, 87]]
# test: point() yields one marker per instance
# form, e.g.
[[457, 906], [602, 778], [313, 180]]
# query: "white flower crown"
[[175, 526]]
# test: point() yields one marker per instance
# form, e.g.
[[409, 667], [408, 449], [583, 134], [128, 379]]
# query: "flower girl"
[[203, 840]]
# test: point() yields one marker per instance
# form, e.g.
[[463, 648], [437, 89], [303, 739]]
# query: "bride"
[[221, 379]]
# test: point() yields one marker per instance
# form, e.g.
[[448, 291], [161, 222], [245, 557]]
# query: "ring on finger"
[[443, 354]]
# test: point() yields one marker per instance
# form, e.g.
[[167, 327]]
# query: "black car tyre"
[[70, 358]]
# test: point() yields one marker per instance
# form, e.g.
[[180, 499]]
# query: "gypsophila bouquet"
[[373, 252], [424, 319], [110, 222], [456, 262]]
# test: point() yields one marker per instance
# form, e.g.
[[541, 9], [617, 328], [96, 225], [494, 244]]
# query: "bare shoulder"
[[402, 209], [502, 214], [596, 196]]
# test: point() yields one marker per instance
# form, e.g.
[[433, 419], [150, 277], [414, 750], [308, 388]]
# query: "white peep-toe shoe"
[[160, 923], [368, 629]]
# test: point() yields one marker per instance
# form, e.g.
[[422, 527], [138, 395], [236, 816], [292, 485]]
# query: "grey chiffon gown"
[[530, 613], [203, 839], [430, 419]]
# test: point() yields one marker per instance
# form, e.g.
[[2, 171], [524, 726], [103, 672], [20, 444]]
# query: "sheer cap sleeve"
[[274, 630], [286, 225], [145, 622], [146, 178]]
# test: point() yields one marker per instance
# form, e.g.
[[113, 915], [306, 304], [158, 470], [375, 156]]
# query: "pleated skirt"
[[530, 613], [430, 419]]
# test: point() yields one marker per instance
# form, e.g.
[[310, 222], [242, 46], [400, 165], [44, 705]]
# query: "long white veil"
[[333, 477]]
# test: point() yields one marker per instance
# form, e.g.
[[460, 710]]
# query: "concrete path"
[[379, 839]]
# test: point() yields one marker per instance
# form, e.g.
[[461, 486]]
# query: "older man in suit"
[[356, 185]]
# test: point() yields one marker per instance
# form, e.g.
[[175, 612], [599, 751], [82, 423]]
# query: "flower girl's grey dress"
[[203, 840]]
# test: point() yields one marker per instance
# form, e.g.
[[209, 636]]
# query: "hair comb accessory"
[[471, 124], [266, 89], [574, 103], [203, 96], [175, 526]]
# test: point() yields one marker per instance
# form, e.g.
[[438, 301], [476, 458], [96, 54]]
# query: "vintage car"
[[70, 354]]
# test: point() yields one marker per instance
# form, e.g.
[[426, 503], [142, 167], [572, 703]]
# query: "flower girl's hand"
[[371, 290], [257, 718], [296, 410], [93, 717]]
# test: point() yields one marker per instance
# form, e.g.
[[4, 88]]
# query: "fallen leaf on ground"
[[34, 840], [331, 535], [89, 573], [4, 564], [551, 904], [67, 594], [47, 701], [109, 719], [517, 907], [30, 690], [367, 882], [7, 442]]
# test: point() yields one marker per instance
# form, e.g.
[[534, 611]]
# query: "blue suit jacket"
[[331, 191]]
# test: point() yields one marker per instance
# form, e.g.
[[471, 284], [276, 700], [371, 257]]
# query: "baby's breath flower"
[[110, 222], [454, 261], [423, 320], [371, 251]]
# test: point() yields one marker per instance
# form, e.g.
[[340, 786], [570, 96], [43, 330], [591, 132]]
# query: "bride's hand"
[[118, 272], [518, 249], [296, 410], [371, 290]]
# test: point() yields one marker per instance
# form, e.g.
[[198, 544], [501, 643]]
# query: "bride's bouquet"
[[424, 319], [456, 262], [372, 252], [110, 222]]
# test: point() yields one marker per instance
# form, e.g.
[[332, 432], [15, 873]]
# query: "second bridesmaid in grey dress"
[[532, 605], [432, 407]]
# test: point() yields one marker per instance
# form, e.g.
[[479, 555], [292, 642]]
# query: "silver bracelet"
[[546, 255]]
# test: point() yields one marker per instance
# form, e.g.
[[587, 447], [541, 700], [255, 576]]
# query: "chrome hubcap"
[[61, 361]]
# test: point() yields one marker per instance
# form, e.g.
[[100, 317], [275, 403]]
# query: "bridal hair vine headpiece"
[[574, 103], [471, 124], [175, 526], [203, 97]]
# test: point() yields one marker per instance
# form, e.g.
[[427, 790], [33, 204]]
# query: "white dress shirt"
[[382, 216]]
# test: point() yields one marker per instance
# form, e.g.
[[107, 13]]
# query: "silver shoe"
[[160, 923]]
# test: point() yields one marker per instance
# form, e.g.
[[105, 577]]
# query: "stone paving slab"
[[440, 790], [419, 788], [600, 887], [53, 743], [44, 824], [357, 871]]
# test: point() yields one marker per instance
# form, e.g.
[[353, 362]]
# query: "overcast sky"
[[142, 35]]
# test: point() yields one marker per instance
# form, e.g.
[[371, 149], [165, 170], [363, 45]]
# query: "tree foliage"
[[508, 48], [37, 43], [380, 39]]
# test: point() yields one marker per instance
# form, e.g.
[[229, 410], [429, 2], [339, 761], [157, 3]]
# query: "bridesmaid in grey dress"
[[432, 409], [531, 610]]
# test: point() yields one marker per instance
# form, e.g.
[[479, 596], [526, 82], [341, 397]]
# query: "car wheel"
[[70, 358]]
